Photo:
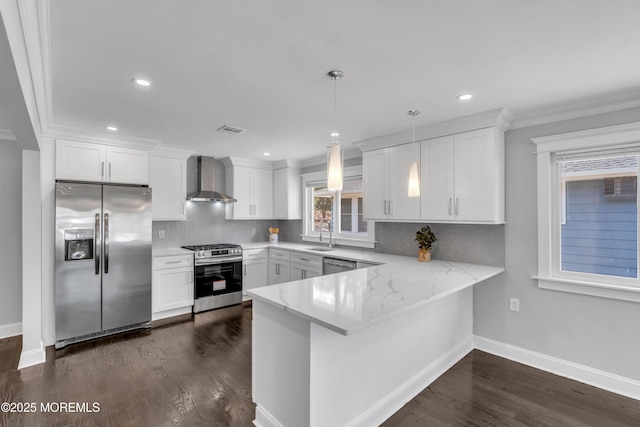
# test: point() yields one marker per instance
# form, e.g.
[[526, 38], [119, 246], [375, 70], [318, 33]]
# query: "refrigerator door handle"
[[106, 243], [96, 244]]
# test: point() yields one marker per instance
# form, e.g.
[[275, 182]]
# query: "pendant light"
[[414, 178], [334, 159]]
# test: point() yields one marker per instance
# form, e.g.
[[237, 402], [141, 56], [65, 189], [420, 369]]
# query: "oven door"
[[218, 279]]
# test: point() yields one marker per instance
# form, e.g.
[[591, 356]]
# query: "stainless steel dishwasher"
[[337, 265]]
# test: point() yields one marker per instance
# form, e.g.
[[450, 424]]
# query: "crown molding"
[[171, 152], [249, 163], [286, 163], [347, 154], [500, 118], [576, 110], [88, 135], [7, 135]]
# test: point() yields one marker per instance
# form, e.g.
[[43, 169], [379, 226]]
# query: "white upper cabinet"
[[287, 193], [462, 178], [168, 181], [386, 180], [251, 184], [84, 161]]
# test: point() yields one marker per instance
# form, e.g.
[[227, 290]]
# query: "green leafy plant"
[[425, 238]]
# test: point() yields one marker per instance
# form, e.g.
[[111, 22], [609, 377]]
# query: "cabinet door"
[[262, 193], [474, 176], [80, 161], [172, 288], [242, 209], [437, 179], [278, 272], [167, 179], [287, 194], [255, 274], [401, 206], [375, 179], [127, 165], [280, 190], [296, 272]]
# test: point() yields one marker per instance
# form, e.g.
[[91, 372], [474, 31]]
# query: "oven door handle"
[[217, 261]]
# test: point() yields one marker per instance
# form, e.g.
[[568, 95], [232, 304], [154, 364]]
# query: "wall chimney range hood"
[[205, 192]]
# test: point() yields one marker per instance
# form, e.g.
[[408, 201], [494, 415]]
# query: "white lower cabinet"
[[172, 290], [304, 266], [279, 266], [255, 269]]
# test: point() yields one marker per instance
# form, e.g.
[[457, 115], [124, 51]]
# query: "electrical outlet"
[[514, 304], [161, 234]]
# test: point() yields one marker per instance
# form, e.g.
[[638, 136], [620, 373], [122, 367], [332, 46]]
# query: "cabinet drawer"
[[281, 254], [307, 259], [174, 261], [250, 254]]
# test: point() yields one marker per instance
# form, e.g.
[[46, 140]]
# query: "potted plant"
[[425, 239]]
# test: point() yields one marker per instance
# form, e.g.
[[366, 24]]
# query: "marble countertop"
[[355, 300]]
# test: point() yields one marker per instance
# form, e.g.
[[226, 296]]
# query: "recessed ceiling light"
[[266, 154], [141, 82], [112, 128], [465, 97]]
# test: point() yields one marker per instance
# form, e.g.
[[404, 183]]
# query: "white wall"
[[595, 332], [11, 241]]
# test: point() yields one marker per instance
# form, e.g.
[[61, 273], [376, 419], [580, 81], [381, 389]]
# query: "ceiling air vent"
[[230, 129]]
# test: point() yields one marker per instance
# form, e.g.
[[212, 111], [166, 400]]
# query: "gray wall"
[[11, 232], [596, 332], [206, 221]]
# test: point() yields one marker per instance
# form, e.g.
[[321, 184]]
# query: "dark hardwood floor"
[[188, 372]]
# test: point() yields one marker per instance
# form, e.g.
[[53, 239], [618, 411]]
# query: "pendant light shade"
[[414, 177], [334, 158], [334, 167], [414, 180]]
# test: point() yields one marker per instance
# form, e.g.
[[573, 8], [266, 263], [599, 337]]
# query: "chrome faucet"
[[330, 224]]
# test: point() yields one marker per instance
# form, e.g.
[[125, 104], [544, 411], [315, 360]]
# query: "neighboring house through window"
[[588, 212]]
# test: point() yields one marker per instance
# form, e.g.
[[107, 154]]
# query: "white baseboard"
[[597, 378], [171, 313], [10, 330], [32, 357], [265, 419], [410, 389]]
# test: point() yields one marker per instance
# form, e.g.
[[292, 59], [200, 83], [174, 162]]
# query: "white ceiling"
[[261, 66]]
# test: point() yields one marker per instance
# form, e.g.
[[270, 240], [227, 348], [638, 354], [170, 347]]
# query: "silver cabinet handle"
[[390, 208], [96, 244], [172, 262], [457, 206], [106, 243], [109, 170], [385, 207], [183, 207], [449, 205], [102, 170], [304, 259], [244, 270]]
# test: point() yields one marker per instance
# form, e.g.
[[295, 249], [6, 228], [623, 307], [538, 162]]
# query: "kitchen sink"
[[320, 249]]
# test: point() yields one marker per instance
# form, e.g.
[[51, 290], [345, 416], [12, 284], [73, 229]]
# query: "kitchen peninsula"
[[350, 349]]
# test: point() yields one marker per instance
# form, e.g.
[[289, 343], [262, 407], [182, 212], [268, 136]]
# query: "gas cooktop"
[[211, 247]]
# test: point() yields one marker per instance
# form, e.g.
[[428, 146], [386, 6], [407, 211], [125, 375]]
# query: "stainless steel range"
[[218, 275]]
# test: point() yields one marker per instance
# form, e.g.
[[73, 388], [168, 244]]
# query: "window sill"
[[623, 293], [342, 241]]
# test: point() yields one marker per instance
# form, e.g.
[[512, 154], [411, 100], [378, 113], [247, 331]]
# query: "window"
[[599, 227], [337, 212], [588, 212]]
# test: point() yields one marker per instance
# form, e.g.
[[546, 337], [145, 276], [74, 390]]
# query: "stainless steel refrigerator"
[[102, 260]]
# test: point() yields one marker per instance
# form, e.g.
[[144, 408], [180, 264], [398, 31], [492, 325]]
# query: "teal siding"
[[600, 234]]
